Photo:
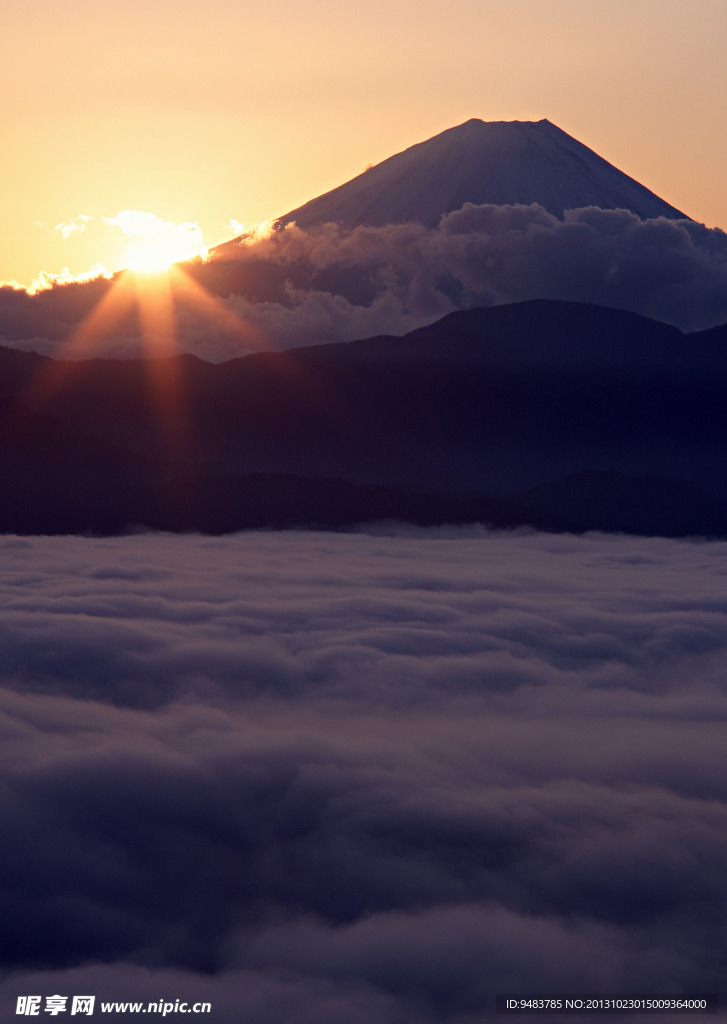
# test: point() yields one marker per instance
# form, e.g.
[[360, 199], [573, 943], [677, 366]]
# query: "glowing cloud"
[[235, 227], [46, 280], [72, 226]]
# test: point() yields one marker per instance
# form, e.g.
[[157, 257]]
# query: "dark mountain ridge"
[[494, 407]]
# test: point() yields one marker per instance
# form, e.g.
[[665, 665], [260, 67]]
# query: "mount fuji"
[[482, 214], [478, 162]]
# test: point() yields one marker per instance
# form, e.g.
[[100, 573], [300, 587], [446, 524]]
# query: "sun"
[[157, 244], [153, 256]]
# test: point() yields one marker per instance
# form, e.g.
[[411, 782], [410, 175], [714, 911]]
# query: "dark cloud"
[[295, 287], [355, 777], [406, 275]]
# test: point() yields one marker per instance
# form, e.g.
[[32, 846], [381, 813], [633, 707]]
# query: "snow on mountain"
[[501, 162]]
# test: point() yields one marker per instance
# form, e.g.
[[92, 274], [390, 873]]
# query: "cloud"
[[340, 285], [674, 271], [234, 227], [293, 287], [45, 280], [75, 225], [362, 776]]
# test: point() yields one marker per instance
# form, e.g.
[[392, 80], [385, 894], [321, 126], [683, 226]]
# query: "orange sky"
[[208, 113]]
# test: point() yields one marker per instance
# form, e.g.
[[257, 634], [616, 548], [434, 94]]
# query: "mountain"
[[500, 162], [555, 414]]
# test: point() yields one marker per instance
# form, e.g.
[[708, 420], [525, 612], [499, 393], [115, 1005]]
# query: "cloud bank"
[[405, 275], [362, 777], [289, 287], [393, 279]]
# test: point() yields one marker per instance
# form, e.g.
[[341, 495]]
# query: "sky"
[[216, 115], [376, 776]]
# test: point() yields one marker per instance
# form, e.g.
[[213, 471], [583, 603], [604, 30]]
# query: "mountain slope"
[[482, 162]]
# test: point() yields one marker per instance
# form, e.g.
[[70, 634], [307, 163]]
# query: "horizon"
[[173, 124]]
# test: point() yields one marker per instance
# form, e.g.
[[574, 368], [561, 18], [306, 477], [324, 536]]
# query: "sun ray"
[[155, 302], [111, 309], [196, 296], [103, 318], [192, 293], [157, 298]]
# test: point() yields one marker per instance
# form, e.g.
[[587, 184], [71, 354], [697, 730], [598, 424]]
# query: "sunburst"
[[156, 295]]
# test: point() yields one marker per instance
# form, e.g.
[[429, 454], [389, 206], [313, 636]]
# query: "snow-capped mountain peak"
[[482, 162]]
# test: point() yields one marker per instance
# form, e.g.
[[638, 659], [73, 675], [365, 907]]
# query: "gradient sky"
[[220, 112]]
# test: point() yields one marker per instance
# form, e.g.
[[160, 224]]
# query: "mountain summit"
[[482, 162]]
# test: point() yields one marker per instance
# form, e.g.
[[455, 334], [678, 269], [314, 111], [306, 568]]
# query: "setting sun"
[[152, 256], [157, 243]]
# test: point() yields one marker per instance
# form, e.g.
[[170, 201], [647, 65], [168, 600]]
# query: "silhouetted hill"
[[35, 447], [483, 414]]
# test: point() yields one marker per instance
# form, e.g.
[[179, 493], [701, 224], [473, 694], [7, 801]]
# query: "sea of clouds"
[[339, 778]]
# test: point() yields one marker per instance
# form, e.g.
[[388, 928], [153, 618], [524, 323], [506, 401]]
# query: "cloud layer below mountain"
[[379, 776], [351, 284], [675, 271]]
